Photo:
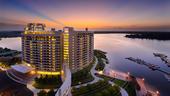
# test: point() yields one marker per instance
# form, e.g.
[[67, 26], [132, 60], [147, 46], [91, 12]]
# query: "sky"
[[94, 14]]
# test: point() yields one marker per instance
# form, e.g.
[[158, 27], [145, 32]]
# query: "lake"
[[118, 48]]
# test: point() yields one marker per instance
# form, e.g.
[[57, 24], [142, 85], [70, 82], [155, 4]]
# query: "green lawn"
[[119, 82], [116, 81], [100, 88], [82, 76], [101, 65], [130, 88], [100, 55], [107, 78]]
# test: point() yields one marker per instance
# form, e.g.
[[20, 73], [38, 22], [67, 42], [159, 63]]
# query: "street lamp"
[[128, 73], [100, 72], [28, 65], [33, 72], [143, 79]]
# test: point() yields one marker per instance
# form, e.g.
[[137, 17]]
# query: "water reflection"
[[12, 43], [119, 47]]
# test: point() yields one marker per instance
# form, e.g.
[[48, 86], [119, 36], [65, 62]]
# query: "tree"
[[98, 94], [51, 93], [105, 93], [42, 93]]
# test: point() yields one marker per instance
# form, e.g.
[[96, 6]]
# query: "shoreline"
[[125, 77]]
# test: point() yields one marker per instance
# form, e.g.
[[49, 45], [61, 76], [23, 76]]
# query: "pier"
[[150, 66], [163, 57]]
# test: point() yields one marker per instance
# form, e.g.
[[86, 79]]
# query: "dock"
[[149, 65], [163, 57]]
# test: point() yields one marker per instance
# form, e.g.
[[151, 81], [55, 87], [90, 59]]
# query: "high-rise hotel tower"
[[47, 51], [78, 48]]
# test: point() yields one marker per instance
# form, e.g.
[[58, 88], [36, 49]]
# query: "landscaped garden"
[[7, 62], [100, 88], [6, 52], [101, 56], [48, 82], [129, 86], [82, 76], [44, 93], [132, 86], [8, 57]]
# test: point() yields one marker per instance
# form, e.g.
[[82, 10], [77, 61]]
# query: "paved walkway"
[[92, 71], [116, 74], [119, 75], [144, 91], [3, 69], [35, 90], [122, 91], [125, 76]]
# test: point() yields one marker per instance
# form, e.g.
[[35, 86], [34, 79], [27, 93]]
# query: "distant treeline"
[[4, 34], [127, 32], [150, 35], [130, 34]]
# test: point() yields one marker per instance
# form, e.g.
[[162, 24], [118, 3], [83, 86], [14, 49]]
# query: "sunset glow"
[[88, 13]]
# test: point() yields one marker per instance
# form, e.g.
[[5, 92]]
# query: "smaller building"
[[21, 73]]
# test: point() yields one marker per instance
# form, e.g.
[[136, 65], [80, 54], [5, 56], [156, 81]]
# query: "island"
[[150, 35]]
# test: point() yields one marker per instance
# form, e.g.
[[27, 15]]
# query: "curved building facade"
[[47, 51], [42, 49], [78, 48]]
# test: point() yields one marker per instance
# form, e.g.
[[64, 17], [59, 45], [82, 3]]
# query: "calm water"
[[12, 43], [118, 47]]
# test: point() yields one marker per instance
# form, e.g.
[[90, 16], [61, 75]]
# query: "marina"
[[149, 65]]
